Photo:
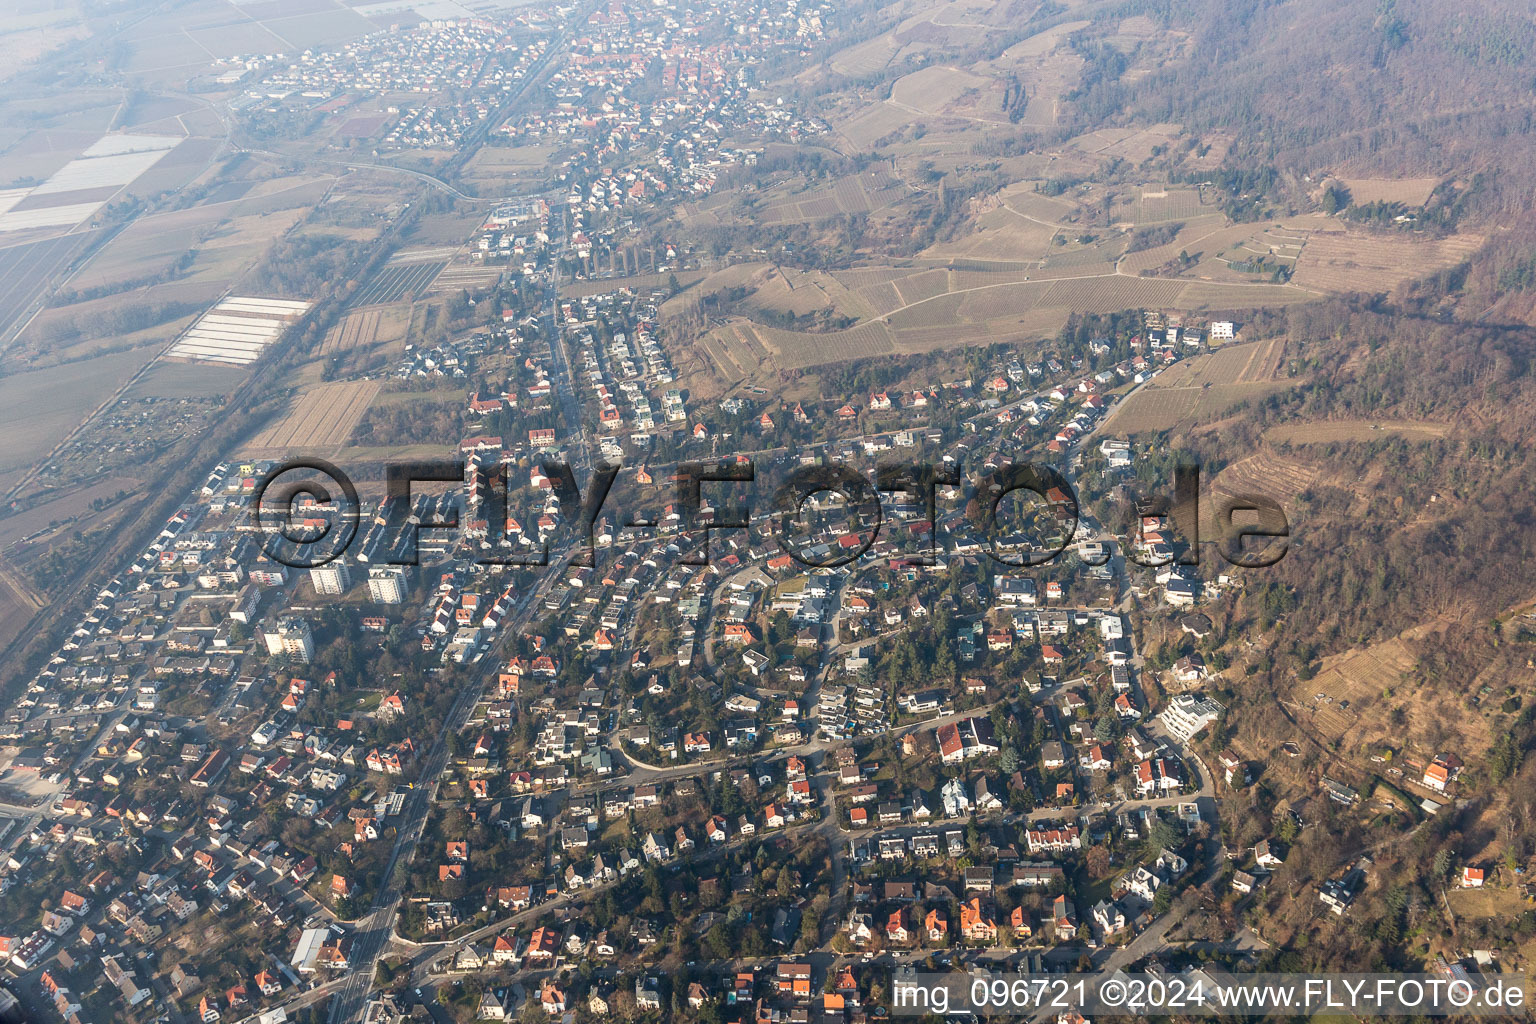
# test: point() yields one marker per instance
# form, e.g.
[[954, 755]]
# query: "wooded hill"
[[1394, 87]]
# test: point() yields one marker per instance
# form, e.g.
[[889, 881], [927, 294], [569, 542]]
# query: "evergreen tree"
[[1441, 864], [1504, 760]]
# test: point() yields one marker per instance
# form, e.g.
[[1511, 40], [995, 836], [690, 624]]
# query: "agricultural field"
[[147, 248], [733, 352], [1231, 364], [744, 352], [358, 126], [321, 419], [711, 211], [967, 275], [88, 109], [865, 277], [639, 283], [734, 276], [792, 348], [1487, 903], [802, 293], [185, 380], [1213, 295], [366, 328], [925, 308], [70, 333], [924, 285], [495, 161], [941, 96], [213, 242], [1028, 325], [1200, 388], [950, 91], [956, 20], [1021, 226], [862, 193], [39, 408], [506, 170], [1041, 43], [1358, 261], [35, 28], [37, 155], [19, 602], [883, 297], [1276, 476], [1252, 257], [928, 29], [180, 167], [1134, 145], [388, 398], [237, 329], [60, 511], [871, 122], [1352, 697], [1097, 257], [1408, 191], [1151, 411], [1046, 68], [213, 31], [156, 110], [243, 237], [1205, 237], [994, 302], [1084, 264], [399, 282], [1023, 200], [770, 289], [467, 277], [357, 330], [1111, 292], [314, 23], [1347, 431], [446, 229], [866, 58], [1003, 234], [940, 311], [27, 271], [76, 191], [1164, 205]]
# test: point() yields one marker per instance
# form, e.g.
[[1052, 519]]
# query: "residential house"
[[977, 922]]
